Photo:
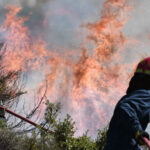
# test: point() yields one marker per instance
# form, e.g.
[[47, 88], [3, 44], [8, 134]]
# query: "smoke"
[[137, 28], [84, 49], [58, 21], [58, 26]]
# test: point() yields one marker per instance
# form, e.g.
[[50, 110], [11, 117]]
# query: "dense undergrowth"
[[63, 139]]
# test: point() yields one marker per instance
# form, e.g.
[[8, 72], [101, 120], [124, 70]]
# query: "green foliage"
[[64, 133], [83, 143], [9, 140], [3, 124], [101, 138], [63, 139], [65, 130], [51, 113]]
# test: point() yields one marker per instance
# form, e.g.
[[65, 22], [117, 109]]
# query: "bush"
[[63, 139], [101, 138], [9, 140]]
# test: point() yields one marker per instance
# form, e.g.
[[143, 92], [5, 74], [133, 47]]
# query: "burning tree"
[[89, 76], [10, 88]]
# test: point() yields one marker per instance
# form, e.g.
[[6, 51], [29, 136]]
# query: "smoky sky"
[[137, 29], [59, 23]]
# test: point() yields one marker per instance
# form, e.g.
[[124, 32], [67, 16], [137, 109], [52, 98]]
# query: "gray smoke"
[[59, 23]]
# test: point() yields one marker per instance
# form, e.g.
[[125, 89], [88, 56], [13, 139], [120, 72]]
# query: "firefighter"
[[132, 113]]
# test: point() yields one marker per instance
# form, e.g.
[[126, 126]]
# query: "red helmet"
[[144, 66]]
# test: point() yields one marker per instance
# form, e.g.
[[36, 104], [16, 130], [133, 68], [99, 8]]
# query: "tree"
[[65, 130], [10, 88], [101, 138], [64, 138]]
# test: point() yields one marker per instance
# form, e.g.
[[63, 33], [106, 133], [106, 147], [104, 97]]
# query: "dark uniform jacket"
[[132, 113]]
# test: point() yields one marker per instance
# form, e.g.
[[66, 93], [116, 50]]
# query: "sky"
[[62, 25]]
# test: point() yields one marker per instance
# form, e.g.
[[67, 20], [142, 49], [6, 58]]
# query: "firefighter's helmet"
[[144, 66]]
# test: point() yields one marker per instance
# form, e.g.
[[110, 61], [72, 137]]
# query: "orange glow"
[[88, 87], [21, 51]]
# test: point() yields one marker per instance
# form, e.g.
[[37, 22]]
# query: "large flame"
[[88, 87], [21, 52]]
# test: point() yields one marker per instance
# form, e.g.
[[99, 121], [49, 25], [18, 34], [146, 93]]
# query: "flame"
[[100, 73], [88, 86], [21, 52]]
